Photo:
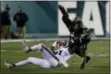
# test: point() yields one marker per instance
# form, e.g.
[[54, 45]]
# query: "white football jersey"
[[63, 56]]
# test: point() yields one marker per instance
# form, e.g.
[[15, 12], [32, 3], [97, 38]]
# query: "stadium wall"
[[45, 18], [95, 15], [42, 15]]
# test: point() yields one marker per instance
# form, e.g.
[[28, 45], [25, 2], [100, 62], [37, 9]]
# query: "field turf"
[[98, 50]]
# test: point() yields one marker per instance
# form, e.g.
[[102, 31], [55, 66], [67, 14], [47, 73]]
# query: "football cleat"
[[27, 49], [8, 65]]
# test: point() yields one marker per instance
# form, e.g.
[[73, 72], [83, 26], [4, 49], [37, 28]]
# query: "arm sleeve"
[[63, 11], [67, 21], [65, 17]]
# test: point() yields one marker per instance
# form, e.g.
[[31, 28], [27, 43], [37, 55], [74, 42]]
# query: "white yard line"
[[3, 50]]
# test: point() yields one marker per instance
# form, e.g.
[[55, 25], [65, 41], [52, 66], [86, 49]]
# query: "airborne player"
[[79, 36]]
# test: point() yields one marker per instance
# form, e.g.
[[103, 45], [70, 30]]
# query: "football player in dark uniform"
[[79, 36]]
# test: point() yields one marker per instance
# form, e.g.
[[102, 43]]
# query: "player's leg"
[[36, 61], [8, 35], [47, 53], [82, 54]]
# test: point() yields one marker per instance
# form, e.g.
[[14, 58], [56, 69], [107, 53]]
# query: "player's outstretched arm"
[[63, 11], [65, 17]]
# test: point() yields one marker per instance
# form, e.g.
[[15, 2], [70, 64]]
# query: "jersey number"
[[60, 52]]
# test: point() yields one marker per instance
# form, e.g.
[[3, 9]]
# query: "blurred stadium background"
[[45, 19], [44, 24]]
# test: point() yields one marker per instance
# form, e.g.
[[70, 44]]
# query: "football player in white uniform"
[[49, 58], [61, 48]]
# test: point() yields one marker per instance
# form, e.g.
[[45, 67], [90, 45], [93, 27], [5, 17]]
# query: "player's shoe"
[[87, 59], [84, 62], [9, 65], [27, 49]]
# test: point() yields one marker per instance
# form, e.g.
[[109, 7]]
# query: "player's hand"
[[63, 11], [61, 7]]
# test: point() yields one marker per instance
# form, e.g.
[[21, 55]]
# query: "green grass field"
[[98, 50]]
